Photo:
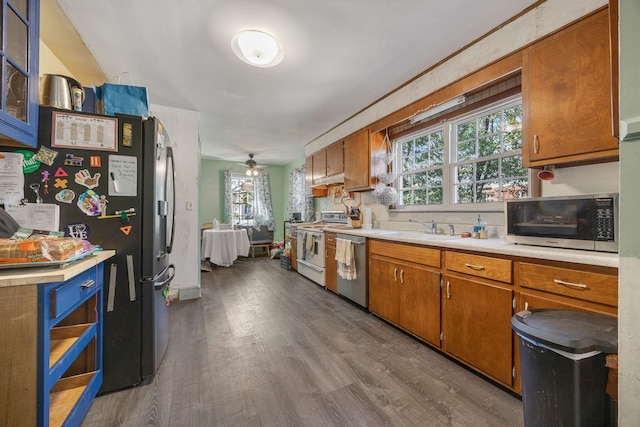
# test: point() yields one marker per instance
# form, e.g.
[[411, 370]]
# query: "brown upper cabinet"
[[363, 160], [566, 96], [327, 163]]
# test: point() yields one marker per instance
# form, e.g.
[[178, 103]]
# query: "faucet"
[[434, 229], [452, 230]]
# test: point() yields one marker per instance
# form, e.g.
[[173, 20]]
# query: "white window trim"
[[447, 176]]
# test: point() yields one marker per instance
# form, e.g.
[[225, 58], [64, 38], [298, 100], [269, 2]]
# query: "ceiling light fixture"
[[430, 112], [257, 48]]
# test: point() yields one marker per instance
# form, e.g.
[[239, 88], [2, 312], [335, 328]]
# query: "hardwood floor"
[[267, 347]]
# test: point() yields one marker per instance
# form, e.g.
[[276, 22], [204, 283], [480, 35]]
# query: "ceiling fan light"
[[248, 172], [257, 48]]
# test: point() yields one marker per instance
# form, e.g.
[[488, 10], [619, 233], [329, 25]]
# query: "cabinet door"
[[566, 95], [420, 302], [294, 253], [383, 288], [335, 159], [477, 325], [356, 161], [19, 93], [331, 271], [319, 165]]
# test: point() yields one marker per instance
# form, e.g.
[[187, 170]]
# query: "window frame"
[[448, 179]]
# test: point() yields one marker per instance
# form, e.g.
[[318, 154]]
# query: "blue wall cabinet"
[[19, 43]]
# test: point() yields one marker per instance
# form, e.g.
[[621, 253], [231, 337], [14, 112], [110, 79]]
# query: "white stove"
[[311, 246]]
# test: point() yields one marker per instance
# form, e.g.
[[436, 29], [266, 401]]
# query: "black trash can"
[[562, 366]]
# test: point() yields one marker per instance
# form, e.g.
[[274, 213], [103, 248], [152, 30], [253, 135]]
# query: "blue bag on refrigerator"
[[124, 99]]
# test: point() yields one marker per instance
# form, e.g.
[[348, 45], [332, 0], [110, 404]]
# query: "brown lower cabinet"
[[476, 325], [405, 292], [331, 266], [471, 308]]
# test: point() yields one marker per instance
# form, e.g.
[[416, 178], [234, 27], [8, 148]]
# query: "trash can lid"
[[568, 330]]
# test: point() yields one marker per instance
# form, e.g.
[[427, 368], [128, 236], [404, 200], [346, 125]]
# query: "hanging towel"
[[308, 244], [346, 259]]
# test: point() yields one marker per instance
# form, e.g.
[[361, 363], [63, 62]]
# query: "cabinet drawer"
[[578, 284], [481, 266], [417, 254], [75, 291]]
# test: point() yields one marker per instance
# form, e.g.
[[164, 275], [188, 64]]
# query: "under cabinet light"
[[437, 109]]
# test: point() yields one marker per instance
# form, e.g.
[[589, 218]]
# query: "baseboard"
[[189, 293]]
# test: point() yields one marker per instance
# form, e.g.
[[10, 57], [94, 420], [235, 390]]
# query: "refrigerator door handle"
[[173, 196], [159, 286]]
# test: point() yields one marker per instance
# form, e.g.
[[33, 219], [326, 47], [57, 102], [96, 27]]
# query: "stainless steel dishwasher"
[[356, 290]]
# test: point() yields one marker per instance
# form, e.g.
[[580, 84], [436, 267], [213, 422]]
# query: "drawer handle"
[[395, 274], [402, 276], [89, 283], [475, 267], [575, 285]]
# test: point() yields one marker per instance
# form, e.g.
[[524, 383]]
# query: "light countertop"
[[491, 246], [49, 274]]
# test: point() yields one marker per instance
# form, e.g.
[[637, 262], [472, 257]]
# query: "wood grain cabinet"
[[404, 287], [331, 266], [567, 96], [20, 58], [564, 286], [362, 160], [477, 306], [327, 163]]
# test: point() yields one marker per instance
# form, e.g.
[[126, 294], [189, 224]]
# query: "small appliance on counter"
[[587, 222]]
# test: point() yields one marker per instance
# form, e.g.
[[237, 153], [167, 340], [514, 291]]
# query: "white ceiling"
[[340, 57]]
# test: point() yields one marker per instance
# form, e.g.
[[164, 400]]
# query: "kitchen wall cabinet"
[[567, 96], [20, 53], [331, 266], [404, 287], [363, 160], [328, 164]]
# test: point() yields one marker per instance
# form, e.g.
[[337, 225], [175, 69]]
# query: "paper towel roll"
[[366, 219]]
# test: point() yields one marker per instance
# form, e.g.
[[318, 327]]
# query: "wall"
[[629, 291], [182, 127], [211, 191], [50, 64]]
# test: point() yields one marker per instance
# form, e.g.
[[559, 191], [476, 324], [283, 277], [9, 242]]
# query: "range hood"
[[331, 179]]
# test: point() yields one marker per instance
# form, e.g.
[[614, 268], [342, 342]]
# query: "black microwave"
[[574, 222]]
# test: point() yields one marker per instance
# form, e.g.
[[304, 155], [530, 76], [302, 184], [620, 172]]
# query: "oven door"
[[311, 247]]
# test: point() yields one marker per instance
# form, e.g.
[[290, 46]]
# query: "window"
[[242, 199], [472, 159]]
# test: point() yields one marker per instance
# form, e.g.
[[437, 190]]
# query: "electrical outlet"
[[189, 205]]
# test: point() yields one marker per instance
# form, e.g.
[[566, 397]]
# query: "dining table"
[[223, 247]]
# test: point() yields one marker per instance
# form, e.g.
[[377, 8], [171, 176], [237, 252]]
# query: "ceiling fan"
[[251, 165]]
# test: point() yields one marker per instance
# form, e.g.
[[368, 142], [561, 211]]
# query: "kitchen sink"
[[416, 235]]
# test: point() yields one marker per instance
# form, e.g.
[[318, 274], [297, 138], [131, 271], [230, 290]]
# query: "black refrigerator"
[[113, 178]]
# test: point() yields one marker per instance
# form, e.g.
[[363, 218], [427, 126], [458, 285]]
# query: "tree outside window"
[[476, 158]]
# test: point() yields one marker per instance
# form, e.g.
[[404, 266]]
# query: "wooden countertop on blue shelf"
[[47, 274]]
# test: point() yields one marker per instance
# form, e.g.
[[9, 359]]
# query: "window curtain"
[[297, 199], [262, 209], [228, 196]]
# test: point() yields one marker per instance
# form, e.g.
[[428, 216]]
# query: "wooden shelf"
[[63, 338], [64, 396]]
